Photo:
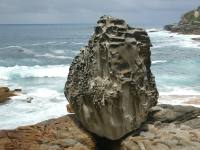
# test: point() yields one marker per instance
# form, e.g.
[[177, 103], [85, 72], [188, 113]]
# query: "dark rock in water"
[[6, 93], [18, 90], [110, 85], [196, 39], [29, 99], [189, 23]]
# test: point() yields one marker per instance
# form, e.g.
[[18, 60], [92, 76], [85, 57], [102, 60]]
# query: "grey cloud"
[[139, 12]]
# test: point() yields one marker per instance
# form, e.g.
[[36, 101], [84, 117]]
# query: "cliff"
[[189, 23]]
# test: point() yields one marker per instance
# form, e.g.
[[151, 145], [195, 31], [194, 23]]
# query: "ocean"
[[36, 59]]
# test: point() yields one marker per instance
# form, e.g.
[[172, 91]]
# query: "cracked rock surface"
[[110, 85], [170, 128], [63, 133]]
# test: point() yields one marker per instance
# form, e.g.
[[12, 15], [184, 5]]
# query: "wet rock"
[[196, 39], [29, 99], [5, 94], [110, 85], [18, 90], [63, 133]]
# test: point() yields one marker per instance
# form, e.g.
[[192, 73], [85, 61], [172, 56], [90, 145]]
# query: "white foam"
[[11, 46], [178, 96], [49, 55], [163, 38], [159, 61], [153, 30], [50, 43], [46, 104], [59, 51], [7, 73], [44, 92], [180, 91], [78, 43], [45, 43], [177, 99]]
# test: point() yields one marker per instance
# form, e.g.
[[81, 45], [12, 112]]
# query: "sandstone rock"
[[63, 133], [5, 94], [110, 85], [66, 133], [177, 113], [69, 109], [168, 137], [182, 133]]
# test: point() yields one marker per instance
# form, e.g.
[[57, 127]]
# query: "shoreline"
[[164, 121], [6, 94], [185, 100]]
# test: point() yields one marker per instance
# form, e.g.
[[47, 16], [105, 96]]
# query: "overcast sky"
[[139, 12]]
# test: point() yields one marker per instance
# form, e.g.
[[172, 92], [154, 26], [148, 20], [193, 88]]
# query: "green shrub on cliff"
[[191, 17]]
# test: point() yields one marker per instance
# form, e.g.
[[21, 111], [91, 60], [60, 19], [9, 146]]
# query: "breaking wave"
[[8, 73]]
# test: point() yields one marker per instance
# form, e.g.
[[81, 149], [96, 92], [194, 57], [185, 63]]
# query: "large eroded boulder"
[[110, 85]]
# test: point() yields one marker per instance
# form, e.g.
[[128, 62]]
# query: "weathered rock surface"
[[110, 85], [164, 137], [189, 23], [63, 133], [169, 113], [6, 93], [167, 128], [172, 128]]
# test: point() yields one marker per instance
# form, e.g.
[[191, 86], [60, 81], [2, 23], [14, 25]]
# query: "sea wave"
[[153, 30], [179, 100], [162, 38], [17, 48], [78, 43], [178, 96], [11, 46], [159, 61], [49, 55], [46, 103], [180, 91], [50, 43], [44, 43], [7, 73], [59, 51]]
